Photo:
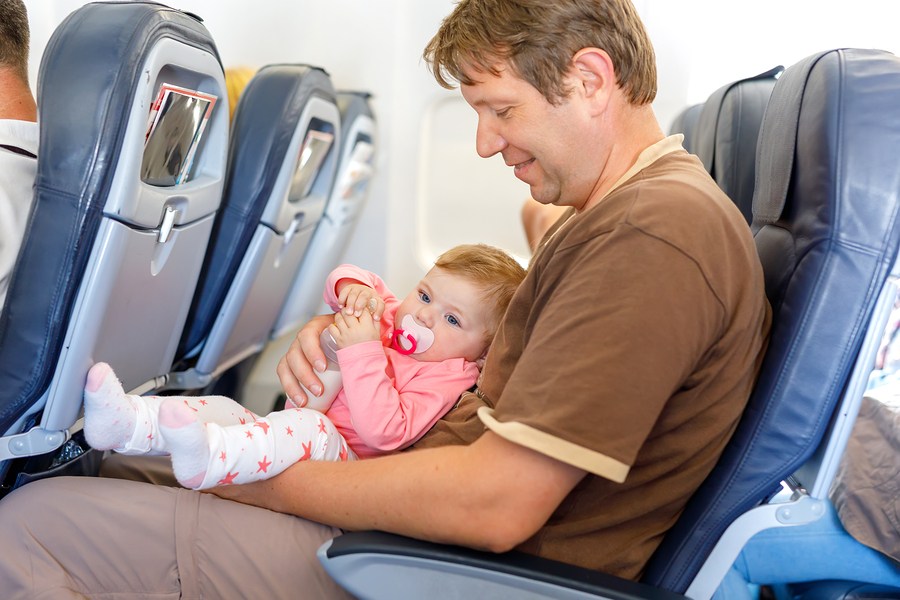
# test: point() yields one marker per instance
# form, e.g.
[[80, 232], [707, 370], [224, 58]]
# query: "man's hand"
[[356, 298], [349, 330], [297, 365]]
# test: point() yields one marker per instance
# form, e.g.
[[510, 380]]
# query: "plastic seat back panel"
[[96, 85]]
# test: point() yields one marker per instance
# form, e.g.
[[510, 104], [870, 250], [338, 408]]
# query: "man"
[[18, 136], [617, 375]]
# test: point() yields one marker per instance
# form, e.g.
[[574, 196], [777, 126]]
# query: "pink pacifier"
[[412, 338]]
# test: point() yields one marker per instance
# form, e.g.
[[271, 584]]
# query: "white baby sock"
[[186, 439], [128, 424], [109, 415]]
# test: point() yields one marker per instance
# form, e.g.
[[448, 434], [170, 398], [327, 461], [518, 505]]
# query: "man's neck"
[[16, 101], [637, 129]]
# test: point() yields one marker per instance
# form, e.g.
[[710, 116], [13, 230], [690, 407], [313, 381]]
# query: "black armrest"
[[373, 564]]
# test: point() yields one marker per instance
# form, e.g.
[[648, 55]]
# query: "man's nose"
[[488, 140]]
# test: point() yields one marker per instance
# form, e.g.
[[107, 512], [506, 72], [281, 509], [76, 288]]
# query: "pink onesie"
[[389, 400]]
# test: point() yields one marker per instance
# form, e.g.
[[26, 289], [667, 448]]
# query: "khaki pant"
[[81, 537]]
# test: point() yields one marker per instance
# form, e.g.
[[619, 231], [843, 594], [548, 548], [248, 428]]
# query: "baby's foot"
[[109, 415], [187, 442]]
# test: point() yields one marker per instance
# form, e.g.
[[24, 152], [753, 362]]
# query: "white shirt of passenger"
[[17, 173]]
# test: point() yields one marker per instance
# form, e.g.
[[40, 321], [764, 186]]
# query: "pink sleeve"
[[355, 273], [389, 419]]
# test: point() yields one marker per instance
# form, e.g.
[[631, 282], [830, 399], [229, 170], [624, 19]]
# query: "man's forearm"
[[458, 495]]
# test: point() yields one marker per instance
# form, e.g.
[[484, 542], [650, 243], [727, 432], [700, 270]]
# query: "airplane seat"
[[828, 237], [109, 263], [843, 590], [726, 132], [686, 123], [345, 204], [281, 161]]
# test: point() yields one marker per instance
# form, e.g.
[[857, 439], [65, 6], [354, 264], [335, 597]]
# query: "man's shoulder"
[[676, 200], [678, 187]]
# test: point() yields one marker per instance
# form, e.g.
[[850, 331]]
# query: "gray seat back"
[[109, 263]]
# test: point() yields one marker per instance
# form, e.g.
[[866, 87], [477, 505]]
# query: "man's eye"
[[502, 113], [424, 298], [452, 320]]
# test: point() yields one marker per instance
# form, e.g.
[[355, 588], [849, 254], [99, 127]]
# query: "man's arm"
[[491, 495]]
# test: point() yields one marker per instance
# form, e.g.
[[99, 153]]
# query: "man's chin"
[[541, 195]]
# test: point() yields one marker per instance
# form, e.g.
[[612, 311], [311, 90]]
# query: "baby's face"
[[454, 310]]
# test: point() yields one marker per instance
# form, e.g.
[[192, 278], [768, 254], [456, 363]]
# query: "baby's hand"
[[355, 298], [349, 330]]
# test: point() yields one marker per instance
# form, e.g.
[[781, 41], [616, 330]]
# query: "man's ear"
[[595, 76], [479, 362]]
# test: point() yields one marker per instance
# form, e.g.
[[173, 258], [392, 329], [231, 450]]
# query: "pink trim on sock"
[[175, 415], [96, 376], [194, 482]]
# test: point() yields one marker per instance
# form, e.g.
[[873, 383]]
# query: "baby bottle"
[[331, 378]]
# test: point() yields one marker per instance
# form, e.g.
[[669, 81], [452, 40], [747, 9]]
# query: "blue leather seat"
[[826, 207], [726, 132], [266, 221], [109, 263], [345, 204]]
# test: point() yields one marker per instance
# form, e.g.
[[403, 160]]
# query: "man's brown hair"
[[492, 270], [14, 37], [537, 39]]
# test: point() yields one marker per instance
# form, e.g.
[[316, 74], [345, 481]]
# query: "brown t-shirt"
[[629, 351]]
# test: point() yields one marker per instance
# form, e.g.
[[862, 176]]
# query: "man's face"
[[544, 144], [454, 309]]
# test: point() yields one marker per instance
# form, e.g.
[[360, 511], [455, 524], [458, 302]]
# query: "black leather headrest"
[[830, 191], [726, 135]]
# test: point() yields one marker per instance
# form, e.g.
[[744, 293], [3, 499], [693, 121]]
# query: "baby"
[[403, 365]]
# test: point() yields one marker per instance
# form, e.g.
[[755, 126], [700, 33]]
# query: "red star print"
[[343, 454], [307, 451], [204, 402], [252, 416], [322, 426], [243, 421], [227, 479], [264, 466], [290, 431], [249, 434], [189, 406], [262, 425], [222, 457]]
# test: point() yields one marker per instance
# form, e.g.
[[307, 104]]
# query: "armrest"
[[374, 565]]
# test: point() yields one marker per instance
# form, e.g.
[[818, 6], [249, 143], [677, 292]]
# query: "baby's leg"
[[206, 455], [127, 424]]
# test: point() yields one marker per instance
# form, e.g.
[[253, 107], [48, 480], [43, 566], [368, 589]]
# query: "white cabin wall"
[[431, 190]]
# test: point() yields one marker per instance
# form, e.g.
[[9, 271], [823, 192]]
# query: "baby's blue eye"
[[424, 297], [452, 320]]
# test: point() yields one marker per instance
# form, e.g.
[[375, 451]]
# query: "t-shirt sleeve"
[[619, 331], [360, 276]]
